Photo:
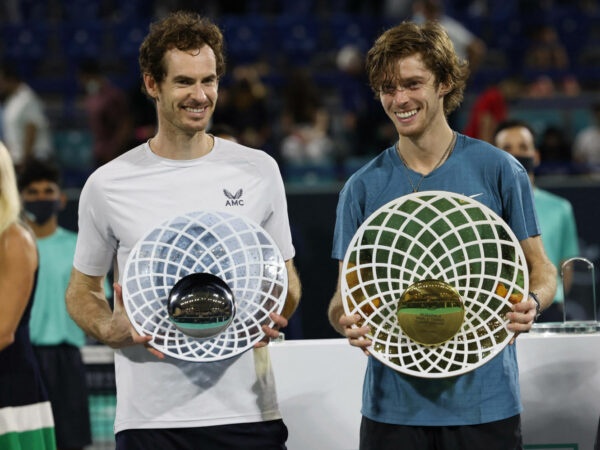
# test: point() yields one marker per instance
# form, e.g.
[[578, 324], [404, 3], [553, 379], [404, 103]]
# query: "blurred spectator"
[[108, 112], [10, 11], [555, 150], [466, 44], [557, 221], [242, 105], [586, 147], [542, 86], [364, 128], [305, 122], [490, 108], [25, 126], [223, 131], [545, 50], [397, 9], [143, 115]]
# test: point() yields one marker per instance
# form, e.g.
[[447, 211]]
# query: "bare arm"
[[294, 290], [343, 323], [18, 259], [542, 281], [89, 308]]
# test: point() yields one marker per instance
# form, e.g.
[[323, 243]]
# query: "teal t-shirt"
[[494, 178], [559, 231], [50, 322]]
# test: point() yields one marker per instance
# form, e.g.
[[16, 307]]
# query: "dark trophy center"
[[201, 305]]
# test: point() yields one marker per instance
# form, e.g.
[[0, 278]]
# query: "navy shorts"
[[63, 372], [269, 435], [500, 435]]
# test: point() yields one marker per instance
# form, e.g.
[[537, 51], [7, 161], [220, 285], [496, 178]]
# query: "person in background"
[[363, 127], [56, 339], [25, 413], [555, 214], [25, 125], [109, 113], [419, 80], [467, 46], [490, 108], [223, 131], [586, 146], [305, 123], [243, 105], [163, 402]]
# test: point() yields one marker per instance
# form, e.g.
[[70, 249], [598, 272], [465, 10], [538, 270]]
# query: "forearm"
[[89, 309], [294, 290], [542, 281], [336, 311]]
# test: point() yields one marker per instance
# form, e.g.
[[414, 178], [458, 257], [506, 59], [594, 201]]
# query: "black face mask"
[[528, 162], [40, 211]]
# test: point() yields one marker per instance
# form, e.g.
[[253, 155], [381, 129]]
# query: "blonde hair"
[[10, 205]]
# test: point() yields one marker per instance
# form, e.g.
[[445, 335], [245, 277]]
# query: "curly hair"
[[432, 43], [183, 31]]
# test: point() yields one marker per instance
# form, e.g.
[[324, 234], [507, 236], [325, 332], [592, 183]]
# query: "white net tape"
[[439, 236], [231, 247]]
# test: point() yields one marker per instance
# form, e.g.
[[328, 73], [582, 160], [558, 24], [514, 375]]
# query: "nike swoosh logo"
[[476, 195]]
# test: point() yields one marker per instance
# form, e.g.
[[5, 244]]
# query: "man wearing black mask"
[[555, 213], [55, 337]]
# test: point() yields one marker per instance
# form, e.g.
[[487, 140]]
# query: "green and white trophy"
[[433, 275]]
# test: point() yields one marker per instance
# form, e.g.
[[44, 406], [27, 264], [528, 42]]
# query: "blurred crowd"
[[295, 85]]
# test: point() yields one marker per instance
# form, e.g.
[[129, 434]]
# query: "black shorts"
[[63, 372], [500, 435], [270, 435]]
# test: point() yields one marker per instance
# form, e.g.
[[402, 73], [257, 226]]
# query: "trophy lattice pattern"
[[441, 236], [231, 247]]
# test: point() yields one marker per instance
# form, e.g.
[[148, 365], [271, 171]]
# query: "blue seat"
[[128, 36], [297, 38], [83, 39], [24, 41], [345, 29], [246, 38]]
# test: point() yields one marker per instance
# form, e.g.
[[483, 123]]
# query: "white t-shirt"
[[135, 193], [21, 108]]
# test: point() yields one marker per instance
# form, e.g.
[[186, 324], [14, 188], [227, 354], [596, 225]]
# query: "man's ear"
[[151, 85], [444, 88], [537, 158]]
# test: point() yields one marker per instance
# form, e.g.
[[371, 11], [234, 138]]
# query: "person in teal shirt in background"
[[555, 214], [56, 339]]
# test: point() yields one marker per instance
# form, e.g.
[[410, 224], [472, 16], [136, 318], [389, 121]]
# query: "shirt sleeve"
[[96, 247]]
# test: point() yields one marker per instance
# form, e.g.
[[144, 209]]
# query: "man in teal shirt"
[[56, 339], [555, 214]]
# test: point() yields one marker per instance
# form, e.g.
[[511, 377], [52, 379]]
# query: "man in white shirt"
[[162, 402], [25, 126]]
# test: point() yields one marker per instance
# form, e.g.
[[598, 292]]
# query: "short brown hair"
[[429, 40], [183, 31]]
